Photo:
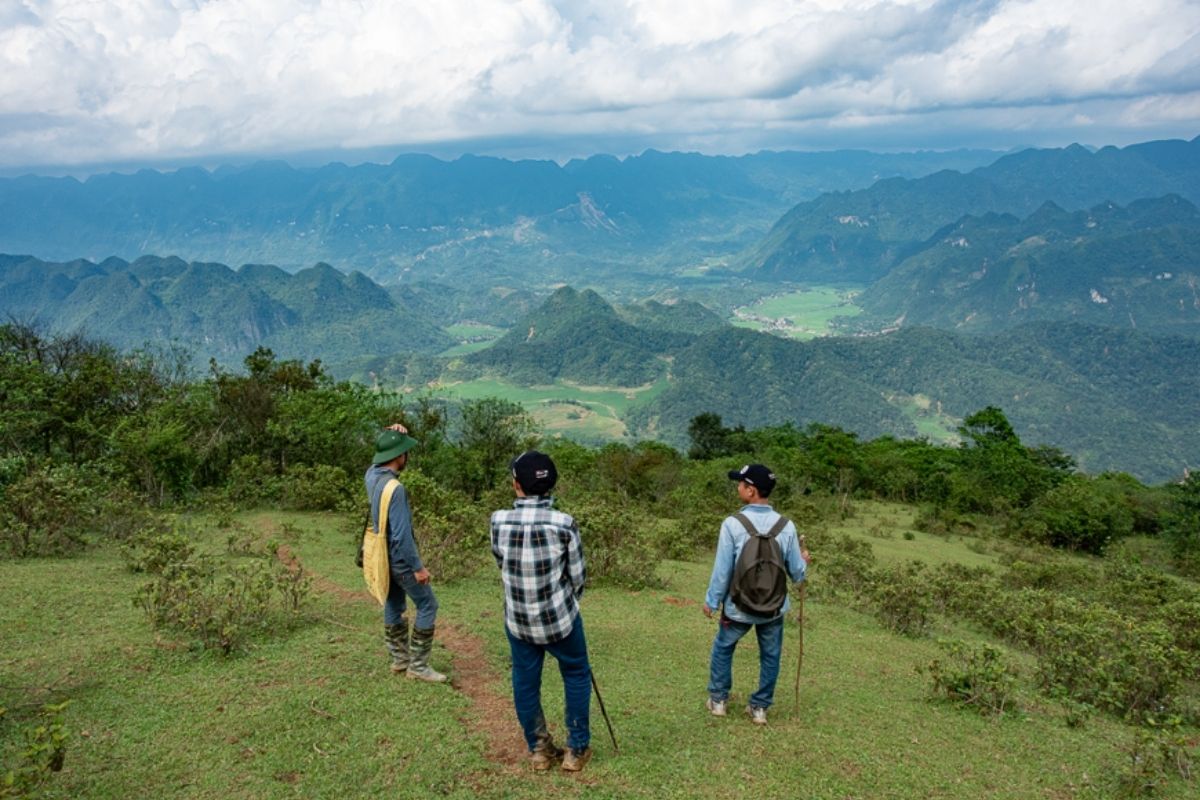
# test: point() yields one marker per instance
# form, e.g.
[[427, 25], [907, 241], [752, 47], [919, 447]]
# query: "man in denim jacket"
[[755, 483], [410, 580]]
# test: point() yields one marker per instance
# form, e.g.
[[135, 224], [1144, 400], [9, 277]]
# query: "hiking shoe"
[[545, 756], [715, 707], [574, 759], [757, 715]]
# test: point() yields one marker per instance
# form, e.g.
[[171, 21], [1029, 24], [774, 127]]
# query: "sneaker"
[[546, 756], [715, 707], [757, 715], [574, 760]]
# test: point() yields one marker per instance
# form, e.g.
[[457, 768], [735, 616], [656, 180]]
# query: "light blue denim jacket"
[[729, 546], [402, 546]]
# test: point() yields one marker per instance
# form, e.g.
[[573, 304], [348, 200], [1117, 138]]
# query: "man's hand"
[[422, 575], [398, 428], [708, 612]]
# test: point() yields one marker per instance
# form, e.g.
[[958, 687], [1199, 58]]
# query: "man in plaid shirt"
[[541, 561]]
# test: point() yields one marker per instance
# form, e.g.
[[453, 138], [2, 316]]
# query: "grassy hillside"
[[313, 712]]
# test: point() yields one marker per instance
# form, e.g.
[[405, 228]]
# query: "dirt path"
[[491, 713]]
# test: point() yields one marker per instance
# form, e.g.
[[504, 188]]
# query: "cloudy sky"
[[186, 81]]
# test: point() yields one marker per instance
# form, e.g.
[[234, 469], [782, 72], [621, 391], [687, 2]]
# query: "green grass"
[[472, 336], [593, 412], [885, 525], [800, 314], [313, 712]]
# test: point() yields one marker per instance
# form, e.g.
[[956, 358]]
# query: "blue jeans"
[[572, 657], [402, 586], [770, 645]]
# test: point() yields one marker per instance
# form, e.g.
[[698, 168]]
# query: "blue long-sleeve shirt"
[[732, 538], [402, 545]]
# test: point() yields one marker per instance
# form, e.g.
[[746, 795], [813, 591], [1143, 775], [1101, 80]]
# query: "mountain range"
[[1135, 266], [215, 311], [420, 218], [859, 236]]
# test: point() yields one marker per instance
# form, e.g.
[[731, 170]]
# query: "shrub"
[[901, 598], [979, 677], [618, 546], [44, 753], [153, 552], [316, 487], [959, 590], [1113, 663], [452, 532], [943, 521], [221, 606], [58, 510], [1158, 753], [846, 570], [1076, 515], [252, 482]]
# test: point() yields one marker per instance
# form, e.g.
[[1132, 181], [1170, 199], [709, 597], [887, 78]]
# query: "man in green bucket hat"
[[409, 578]]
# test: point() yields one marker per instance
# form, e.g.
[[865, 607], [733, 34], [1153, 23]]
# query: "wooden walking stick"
[[800, 630]]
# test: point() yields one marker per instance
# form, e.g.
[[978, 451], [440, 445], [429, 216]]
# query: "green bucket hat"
[[391, 444]]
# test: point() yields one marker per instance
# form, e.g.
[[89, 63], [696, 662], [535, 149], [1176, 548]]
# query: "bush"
[[57, 510], [153, 552], [979, 677], [44, 753], [221, 606], [1115, 664], [846, 571], [901, 598], [1076, 515], [618, 546], [252, 482], [316, 487], [943, 521], [452, 531], [1158, 753]]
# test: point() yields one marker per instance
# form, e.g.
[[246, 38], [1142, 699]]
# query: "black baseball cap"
[[757, 475], [535, 472]]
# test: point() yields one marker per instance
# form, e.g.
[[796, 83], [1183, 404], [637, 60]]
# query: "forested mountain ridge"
[[1132, 267], [216, 311], [1115, 399], [422, 218], [860, 235], [577, 336]]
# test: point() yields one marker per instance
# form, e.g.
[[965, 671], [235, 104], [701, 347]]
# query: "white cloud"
[[103, 80]]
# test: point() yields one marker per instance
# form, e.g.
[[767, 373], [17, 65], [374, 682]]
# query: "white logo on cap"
[[541, 473]]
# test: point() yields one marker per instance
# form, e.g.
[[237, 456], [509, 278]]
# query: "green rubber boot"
[[396, 638], [419, 648]]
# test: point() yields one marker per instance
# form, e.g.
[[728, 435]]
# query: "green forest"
[[218, 515]]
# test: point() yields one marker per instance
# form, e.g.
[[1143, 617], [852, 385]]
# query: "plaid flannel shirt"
[[541, 562]]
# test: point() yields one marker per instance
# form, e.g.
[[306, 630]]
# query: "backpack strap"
[[775, 530], [385, 503], [778, 527]]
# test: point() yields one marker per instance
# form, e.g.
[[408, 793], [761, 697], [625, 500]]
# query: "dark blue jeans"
[[572, 657], [402, 586], [770, 646]]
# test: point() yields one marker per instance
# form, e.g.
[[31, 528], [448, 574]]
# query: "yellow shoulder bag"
[[376, 569]]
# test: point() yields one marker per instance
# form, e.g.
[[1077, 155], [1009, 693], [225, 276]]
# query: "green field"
[[927, 417], [472, 337], [313, 711], [590, 412], [801, 314]]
